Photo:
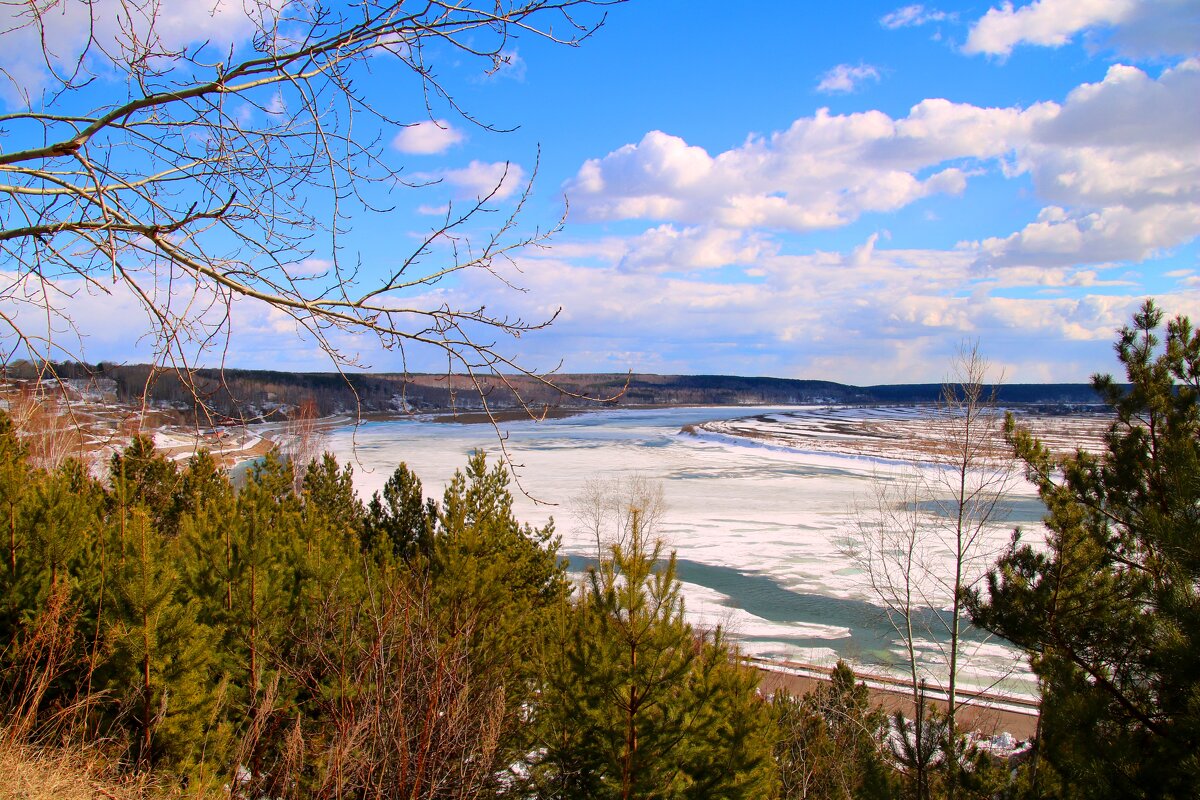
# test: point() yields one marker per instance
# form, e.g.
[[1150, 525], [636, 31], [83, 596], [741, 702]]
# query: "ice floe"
[[761, 506]]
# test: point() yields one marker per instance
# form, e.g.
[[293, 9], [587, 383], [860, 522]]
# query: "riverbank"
[[984, 713]]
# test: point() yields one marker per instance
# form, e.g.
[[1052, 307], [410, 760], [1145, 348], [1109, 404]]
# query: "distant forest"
[[255, 394]]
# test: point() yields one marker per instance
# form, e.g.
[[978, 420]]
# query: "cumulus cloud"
[[867, 314], [822, 172], [427, 137], [1110, 234], [912, 16], [1116, 162], [478, 179], [1148, 27], [846, 78], [1128, 140], [666, 248], [1160, 28], [1119, 165], [1043, 22]]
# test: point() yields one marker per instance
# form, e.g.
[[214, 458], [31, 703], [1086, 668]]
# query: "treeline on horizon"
[[247, 395]]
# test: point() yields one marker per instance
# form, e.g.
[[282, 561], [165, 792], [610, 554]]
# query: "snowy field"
[[762, 505]]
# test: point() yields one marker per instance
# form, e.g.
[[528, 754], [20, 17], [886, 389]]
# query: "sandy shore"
[[984, 713]]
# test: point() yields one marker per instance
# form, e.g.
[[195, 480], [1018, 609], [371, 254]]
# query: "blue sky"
[[807, 190]]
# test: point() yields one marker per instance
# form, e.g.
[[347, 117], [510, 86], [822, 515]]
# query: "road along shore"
[[985, 713]]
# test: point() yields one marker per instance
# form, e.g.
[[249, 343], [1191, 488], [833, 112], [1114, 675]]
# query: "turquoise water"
[[871, 639], [760, 532]]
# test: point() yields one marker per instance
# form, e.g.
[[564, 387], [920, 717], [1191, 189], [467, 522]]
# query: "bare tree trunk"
[[303, 440], [147, 698], [964, 472]]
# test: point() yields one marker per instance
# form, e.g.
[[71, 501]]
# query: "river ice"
[[759, 518]]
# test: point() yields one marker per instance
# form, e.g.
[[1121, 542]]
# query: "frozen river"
[[759, 519]]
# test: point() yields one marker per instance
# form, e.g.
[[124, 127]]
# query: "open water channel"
[[759, 524]]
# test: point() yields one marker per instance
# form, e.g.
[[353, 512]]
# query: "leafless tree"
[[928, 538], [609, 508], [969, 490], [202, 171], [403, 712], [303, 440], [892, 551], [44, 419]]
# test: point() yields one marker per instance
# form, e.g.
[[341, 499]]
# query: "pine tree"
[[17, 483], [829, 743], [160, 669], [323, 547], [14, 482], [1109, 609], [60, 521], [494, 583], [207, 543], [491, 573], [638, 704], [327, 490], [400, 522], [140, 475], [54, 527], [200, 483], [241, 560], [261, 585]]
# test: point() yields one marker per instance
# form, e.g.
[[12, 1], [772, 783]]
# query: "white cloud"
[[868, 314], [912, 16], [427, 137], [1160, 28], [1119, 164], [1138, 28], [1043, 22], [310, 267], [846, 78], [115, 26], [666, 248], [1110, 234], [822, 172], [1128, 140], [1116, 163], [479, 179]]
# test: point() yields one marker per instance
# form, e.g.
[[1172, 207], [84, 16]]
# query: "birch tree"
[[928, 540]]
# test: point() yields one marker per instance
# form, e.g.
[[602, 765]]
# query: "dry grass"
[[33, 773]]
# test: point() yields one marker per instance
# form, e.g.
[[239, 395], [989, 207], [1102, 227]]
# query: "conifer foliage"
[[1109, 610], [636, 702], [269, 640], [830, 743]]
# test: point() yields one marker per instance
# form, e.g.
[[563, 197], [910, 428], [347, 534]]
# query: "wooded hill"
[[255, 394]]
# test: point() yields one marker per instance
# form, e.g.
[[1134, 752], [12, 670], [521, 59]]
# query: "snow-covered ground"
[[762, 505], [82, 419]]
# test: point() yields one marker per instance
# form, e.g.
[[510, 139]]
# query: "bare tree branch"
[[196, 178]]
